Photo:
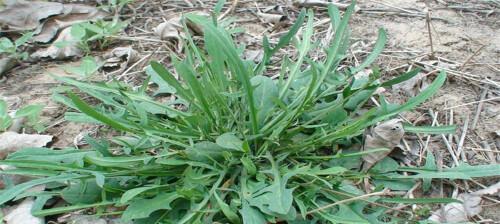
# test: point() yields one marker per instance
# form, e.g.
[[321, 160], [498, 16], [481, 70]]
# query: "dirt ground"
[[465, 39]]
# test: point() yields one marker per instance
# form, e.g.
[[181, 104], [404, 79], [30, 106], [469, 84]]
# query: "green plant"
[[87, 67], [30, 112], [233, 145], [12, 48], [99, 32]]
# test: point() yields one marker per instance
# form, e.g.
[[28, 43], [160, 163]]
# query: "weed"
[[30, 112], [12, 48], [233, 145], [98, 32]]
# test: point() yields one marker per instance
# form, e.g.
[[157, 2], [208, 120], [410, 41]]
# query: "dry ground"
[[465, 43]]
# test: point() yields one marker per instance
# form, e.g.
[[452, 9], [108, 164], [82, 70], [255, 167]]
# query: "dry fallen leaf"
[[173, 32], [170, 31], [82, 219], [71, 14], [21, 214], [460, 212], [412, 86], [70, 48], [388, 135], [321, 3], [271, 18], [120, 57], [12, 141], [6, 64], [22, 15]]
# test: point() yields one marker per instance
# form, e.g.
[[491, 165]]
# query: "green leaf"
[[82, 192], [251, 215], [249, 165], [437, 175], [87, 109], [274, 198], [230, 141], [419, 200], [117, 161], [23, 39], [413, 102], [3, 108], [78, 32], [142, 208], [6, 46], [401, 78], [430, 163], [387, 164], [447, 129], [130, 194], [477, 170], [396, 185], [377, 49], [87, 67], [11, 193], [329, 171], [264, 93], [68, 156], [218, 6], [29, 111], [228, 212], [163, 86], [68, 209]]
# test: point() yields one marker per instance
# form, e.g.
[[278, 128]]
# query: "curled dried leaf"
[[68, 49], [71, 14], [271, 18], [12, 141], [121, 56], [170, 31], [22, 214], [173, 32], [388, 135], [321, 3], [6, 64], [461, 212], [23, 15]]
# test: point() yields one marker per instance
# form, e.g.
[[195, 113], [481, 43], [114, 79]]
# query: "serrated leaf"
[[130, 194], [142, 208]]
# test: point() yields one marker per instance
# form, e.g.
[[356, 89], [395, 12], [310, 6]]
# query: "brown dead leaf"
[[70, 48], [173, 32], [21, 213], [461, 212], [6, 64], [271, 18], [321, 3], [170, 31], [412, 86], [81, 219], [22, 15], [12, 141], [71, 14], [388, 135], [120, 57]]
